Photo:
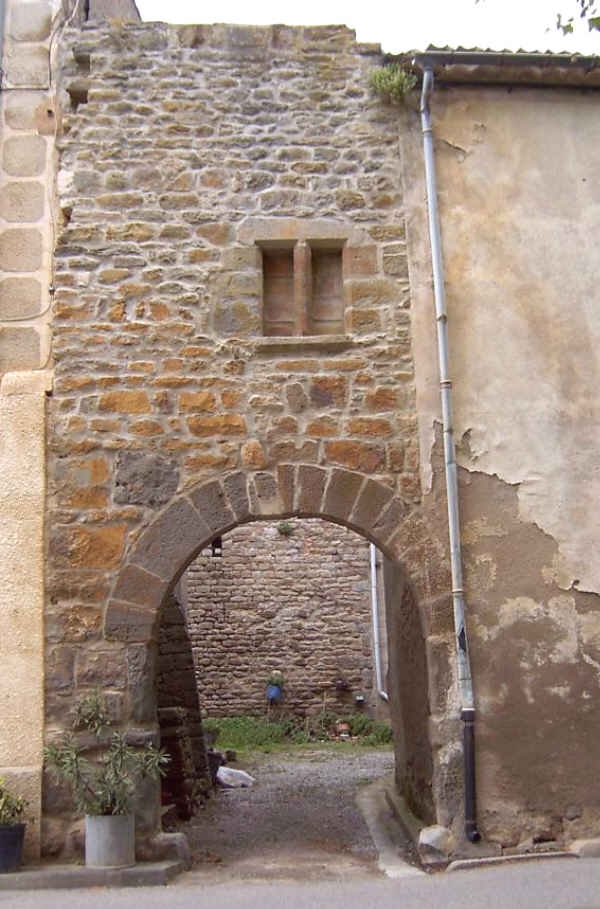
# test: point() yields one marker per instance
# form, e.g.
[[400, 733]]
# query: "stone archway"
[[158, 557], [194, 517]]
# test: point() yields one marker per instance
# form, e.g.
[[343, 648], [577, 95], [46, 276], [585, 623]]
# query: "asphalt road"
[[542, 884]]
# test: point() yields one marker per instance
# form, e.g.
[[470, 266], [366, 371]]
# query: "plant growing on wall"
[[11, 806], [392, 82], [285, 528]]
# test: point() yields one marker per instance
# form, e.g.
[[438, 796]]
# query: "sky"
[[400, 25]]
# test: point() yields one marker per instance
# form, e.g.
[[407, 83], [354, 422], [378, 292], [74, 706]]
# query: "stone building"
[[293, 597], [216, 307]]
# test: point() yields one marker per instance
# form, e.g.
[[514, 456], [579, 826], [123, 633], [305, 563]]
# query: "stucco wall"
[[22, 491], [518, 193]]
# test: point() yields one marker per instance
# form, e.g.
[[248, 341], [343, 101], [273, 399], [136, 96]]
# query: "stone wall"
[[192, 190], [297, 602], [27, 126]]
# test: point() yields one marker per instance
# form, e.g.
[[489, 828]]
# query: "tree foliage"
[[586, 10]]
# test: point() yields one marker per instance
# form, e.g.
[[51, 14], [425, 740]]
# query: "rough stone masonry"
[[232, 334]]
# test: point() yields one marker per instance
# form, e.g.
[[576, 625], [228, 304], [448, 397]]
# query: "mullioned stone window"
[[303, 290]]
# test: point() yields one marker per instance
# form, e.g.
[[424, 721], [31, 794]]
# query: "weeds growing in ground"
[[251, 733]]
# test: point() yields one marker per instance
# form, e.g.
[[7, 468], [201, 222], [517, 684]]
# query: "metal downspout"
[[375, 620], [465, 682]]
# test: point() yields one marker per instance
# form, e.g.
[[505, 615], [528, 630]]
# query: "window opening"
[[302, 290]]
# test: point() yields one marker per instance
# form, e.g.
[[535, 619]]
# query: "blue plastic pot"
[[273, 692]]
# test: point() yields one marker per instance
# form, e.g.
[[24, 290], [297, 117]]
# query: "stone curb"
[[70, 877], [466, 864]]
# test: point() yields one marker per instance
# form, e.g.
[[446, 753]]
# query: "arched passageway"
[[192, 519]]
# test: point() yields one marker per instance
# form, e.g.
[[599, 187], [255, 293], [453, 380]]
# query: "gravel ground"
[[299, 819]]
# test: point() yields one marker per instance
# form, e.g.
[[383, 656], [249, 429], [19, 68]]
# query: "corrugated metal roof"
[[476, 66]]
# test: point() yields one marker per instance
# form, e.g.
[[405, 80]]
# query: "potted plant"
[[12, 828], [104, 787], [274, 684]]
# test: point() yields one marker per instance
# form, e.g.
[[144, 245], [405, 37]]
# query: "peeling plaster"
[[520, 280]]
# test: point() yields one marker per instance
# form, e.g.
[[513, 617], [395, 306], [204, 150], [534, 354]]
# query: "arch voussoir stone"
[[341, 494], [264, 496], [236, 488], [212, 505], [310, 487], [131, 623], [136, 585], [286, 483], [168, 542], [372, 500], [390, 520], [212, 508]]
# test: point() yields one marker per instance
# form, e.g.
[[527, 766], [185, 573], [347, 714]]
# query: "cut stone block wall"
[[297, 602], [27, 233]]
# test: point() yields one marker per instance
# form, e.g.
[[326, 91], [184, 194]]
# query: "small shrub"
[[285, 528], [392, 82], [107, 784], [11, 806], [321, 725]]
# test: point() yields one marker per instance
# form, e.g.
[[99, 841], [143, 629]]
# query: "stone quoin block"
[[310, 485], [19, 348], [24, 156], [22, 201], [21, 109], [26, 66], [30, 22], [211, 503], [341, 493], [171, 540], [359, 261], [20, 249]]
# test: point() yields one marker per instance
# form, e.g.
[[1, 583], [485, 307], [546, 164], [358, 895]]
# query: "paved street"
[[543, 884]]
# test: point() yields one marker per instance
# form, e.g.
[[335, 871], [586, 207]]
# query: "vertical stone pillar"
[[22, 492], [26, 183], [27, 126], [302, 281]]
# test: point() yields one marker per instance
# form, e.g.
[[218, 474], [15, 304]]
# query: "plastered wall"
[[518, 195]]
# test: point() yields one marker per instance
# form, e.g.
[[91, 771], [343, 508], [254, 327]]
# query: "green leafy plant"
[[285, 528], [392, 82], [275, 678], [11, 806], [107, 784]]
